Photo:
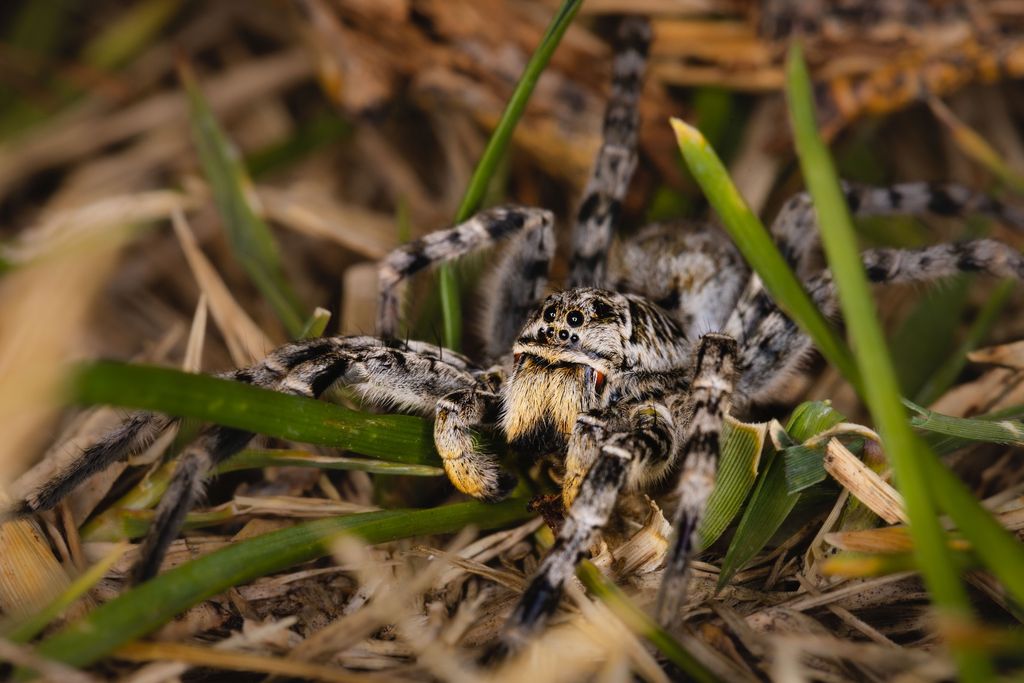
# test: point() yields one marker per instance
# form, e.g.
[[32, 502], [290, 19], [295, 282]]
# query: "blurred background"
[[338, 129]]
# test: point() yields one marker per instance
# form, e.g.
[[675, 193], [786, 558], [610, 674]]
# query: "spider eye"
[[575, 318], [549, 314]]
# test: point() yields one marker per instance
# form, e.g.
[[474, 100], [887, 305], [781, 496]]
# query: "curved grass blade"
[[394, 438], [1010, 432], [771, 503], [496, 146], [804, 467], [944, 444], [740, 458], [642, 624], [145, 608], [250, 238], [880, 389]]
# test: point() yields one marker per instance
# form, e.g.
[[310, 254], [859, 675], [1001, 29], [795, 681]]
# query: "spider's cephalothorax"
[[625, 376], [581, 350]]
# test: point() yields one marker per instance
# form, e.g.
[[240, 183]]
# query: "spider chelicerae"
[[625, 375]]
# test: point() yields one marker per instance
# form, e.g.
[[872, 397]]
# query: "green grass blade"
[[395, 438], [758, 249], [496, 146], [880, 389], [255, 458], [145, 608], [739, 461], [804, 467], [316, 324], [124, 523], [133, 29], [642, 624], [771, 503], [970, 429], [250, 238], [944, 444]]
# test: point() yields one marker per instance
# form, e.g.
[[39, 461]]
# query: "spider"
[[625, 375]]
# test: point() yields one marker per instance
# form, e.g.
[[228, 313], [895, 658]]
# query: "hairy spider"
[[625, 375]]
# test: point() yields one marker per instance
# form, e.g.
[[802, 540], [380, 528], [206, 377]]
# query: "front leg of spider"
[[648, 438], [706, 408]]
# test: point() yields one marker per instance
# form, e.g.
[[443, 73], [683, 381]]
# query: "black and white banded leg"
[[414, 375], [795, 228], [647, 441], [131, 438], [483, 230], [771, 344], [706, 408], [616, 161]]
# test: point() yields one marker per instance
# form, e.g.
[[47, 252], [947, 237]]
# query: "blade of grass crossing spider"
[[395, 438], [640, 623], [145, 608], [739, 460], [28, 629], [494, 151], [758, 249], [771, 503], [944, 376], [879, 389], [250, 238], [316, 324]]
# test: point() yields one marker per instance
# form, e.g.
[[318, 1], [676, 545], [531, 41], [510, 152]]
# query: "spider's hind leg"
[[795, 227]]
